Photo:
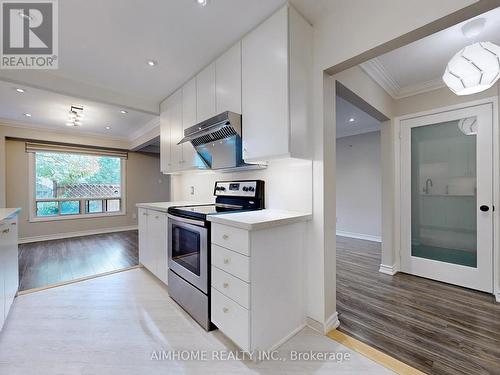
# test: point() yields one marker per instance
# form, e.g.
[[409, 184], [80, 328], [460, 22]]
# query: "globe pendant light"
[[474, 69]]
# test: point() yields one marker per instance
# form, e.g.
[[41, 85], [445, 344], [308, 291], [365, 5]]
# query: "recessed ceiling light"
[[152, 62], [27, 114], [202, 2], [108, 127], [19, 90], [352, 119], [123, 112]]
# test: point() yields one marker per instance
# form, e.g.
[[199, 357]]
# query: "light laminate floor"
[[438, 328], [113, 325]]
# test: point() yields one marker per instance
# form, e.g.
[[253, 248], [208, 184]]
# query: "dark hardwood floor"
[[50, 262], [435, 327]]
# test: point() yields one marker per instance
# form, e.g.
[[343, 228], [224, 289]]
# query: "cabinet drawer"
[[231, 287], [232, 262], [231, 238], [232, 319]]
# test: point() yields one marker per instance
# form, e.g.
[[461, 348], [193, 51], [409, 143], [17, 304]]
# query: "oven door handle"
[[198, 223]]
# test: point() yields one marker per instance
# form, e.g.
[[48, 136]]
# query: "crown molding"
[[420, 88], [378, 72]]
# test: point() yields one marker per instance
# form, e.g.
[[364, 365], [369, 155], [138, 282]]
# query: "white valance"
[[54, 147]]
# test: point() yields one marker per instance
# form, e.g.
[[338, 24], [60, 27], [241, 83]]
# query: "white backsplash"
[[288, 184]]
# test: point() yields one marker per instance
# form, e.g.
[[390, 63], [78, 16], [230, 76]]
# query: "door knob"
[[484, 208]]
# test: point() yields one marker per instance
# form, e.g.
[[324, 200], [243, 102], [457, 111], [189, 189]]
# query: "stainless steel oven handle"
[[199, 223]]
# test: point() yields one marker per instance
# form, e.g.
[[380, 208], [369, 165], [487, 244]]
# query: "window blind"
[[53, 147]]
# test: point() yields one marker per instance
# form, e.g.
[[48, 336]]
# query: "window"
[[74, 185]]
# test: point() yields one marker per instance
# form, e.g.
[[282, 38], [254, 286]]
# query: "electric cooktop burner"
[[231, 197], [202, 211]]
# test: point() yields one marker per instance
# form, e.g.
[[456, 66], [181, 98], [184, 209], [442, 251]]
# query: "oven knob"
[[251, 188], [245, 188], [222, 188]]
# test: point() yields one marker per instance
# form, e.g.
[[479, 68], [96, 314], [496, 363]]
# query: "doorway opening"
[[419, 294]]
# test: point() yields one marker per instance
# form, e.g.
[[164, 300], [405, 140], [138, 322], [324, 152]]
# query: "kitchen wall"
[[144, 183], [359, 195], [288, 184]]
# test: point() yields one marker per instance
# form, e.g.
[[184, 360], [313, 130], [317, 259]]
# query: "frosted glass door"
[[444, 193], [447, 192]]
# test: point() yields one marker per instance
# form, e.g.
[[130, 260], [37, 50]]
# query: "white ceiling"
[[103, 51], [419, 66], [50, 110], [106, 44], [363, 122]]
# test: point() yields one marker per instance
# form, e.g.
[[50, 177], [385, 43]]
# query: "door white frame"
[[496, 182]]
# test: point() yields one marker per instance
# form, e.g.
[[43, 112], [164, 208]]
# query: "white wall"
[[14, 184], [336, 39], [359, 195], [288, 184]]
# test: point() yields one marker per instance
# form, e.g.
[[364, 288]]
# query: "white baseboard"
[[331, 323], [388, 270], [497, 297], [58, 236], [359, 236], [287, 337], [314, 324]]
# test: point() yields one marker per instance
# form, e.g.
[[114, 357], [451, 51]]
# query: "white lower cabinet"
[[257, 284], [9, 269], [153, 242]]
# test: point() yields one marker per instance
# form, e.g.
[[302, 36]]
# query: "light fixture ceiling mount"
[[473, 69], [75, 116]]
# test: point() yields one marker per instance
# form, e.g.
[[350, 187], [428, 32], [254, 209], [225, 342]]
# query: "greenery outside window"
[[69, 185]]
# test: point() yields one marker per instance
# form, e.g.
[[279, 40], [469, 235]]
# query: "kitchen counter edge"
[[8, 212], [262, 219], [163, 206]]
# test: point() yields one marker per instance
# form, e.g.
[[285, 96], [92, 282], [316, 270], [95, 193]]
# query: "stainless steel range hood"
[[218, 141]]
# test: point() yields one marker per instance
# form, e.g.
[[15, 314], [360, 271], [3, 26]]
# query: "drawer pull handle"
[[226, 260], [225, 285], [145, 214], [225, 236], [225, 309], [157, 217], [13, 224], [5, 231]]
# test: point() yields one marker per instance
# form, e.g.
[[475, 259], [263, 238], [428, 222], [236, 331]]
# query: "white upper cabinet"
[[176, 130], [177, 113], [276, 76], [228, 80], [165, 163], [266, 77], [205, 93], [189, 155]]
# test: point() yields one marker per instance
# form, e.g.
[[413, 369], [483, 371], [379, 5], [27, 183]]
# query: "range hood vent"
[[224, 132], [218, 141]]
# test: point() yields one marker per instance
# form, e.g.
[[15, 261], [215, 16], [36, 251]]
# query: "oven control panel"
[[236, 188]]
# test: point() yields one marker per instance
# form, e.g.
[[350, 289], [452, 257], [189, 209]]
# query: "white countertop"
[[6, 212], [163, 206], [261, 219]]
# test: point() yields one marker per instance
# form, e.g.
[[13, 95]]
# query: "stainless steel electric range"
[[189, 243]]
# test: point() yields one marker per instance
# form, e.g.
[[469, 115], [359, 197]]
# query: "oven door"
[[188, 250]]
